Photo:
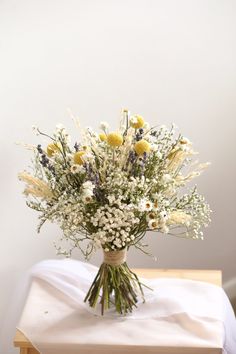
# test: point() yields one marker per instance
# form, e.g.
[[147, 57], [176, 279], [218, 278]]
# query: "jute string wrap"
[[115, 258]]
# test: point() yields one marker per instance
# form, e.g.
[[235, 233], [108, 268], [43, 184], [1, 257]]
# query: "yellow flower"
[[102, 137], [78, 157], [141, 147], [114, 139], [137, 122], [52, 148]]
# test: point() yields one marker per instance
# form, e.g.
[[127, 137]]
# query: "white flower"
[[88, 185], [151, 216], [133, 120], [145, 205], [166, 178], [104, 126], [153, 224], [77, 169], [163, 215], [87, 198], [60, 127], [159, 155], [154, 147]]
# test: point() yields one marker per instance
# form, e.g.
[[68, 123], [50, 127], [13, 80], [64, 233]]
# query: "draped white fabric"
[[178, 313]]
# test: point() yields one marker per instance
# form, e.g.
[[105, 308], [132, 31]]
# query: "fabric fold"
[[177, 312]]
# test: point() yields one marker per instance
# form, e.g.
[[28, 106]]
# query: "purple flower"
[[76, 146]]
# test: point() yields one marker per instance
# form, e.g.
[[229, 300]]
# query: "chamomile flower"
[[145, 205], [163, 216], [150, 216], [153, 224]]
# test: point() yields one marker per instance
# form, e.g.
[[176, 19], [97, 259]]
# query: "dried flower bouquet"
[[110, 188]]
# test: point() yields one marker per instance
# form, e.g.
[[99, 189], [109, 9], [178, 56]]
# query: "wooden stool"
[[209, 276]]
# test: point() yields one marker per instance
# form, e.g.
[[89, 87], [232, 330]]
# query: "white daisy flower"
[[163, 215], [86, 198], [153, 224], [145, 205], [88, 185], [150, 216]]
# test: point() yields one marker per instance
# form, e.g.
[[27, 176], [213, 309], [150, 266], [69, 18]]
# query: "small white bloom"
[[104, 126], [77, 169], [35, 130], [153, 224], [163, 215], [151, 216], [166, 178], [133, 120], [145, 205], [88, 185], [60, 127]]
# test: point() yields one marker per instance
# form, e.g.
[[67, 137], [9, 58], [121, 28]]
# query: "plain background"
[[170, 61]]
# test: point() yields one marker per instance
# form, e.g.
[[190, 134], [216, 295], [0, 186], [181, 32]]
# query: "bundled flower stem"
[[115, 284], [107, 189]]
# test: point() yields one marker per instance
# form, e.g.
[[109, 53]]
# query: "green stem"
[[116, 285]]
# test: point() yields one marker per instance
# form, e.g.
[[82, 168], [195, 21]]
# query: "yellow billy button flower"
[[137, 122], [102, 137], [78, 159], [53, 148], [114, 139], [141, 147]]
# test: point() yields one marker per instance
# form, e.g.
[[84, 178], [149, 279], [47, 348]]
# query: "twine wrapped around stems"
[[115, 258], [115, 284]]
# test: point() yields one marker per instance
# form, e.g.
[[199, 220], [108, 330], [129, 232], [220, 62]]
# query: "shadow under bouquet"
[[108, 189]]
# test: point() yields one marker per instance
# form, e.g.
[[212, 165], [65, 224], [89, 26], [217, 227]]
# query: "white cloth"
[[179, 314]]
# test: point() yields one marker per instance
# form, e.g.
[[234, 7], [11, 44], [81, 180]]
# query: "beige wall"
[[167, 60]]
